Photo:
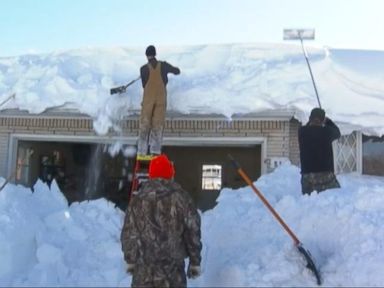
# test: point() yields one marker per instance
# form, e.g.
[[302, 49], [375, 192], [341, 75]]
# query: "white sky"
[[49, 25]]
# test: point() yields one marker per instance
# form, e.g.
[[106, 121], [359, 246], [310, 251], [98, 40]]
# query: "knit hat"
[[317, 113], [150, 51], [161, 167]]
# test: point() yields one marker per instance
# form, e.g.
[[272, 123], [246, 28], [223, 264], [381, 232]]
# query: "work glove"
[[193, 271], [130, 268]]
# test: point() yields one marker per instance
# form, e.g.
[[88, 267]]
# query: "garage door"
[[203, 171]]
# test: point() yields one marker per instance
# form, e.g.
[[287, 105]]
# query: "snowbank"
[[342, 228], [43, 242]]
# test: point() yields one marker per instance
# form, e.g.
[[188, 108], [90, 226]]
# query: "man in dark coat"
[[316, 154], [161, 229], [154, 77]]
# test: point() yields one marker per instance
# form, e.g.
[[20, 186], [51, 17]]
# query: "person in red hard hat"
[[161, 229], [161, 167]]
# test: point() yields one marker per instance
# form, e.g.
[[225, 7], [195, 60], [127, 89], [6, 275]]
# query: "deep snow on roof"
[[225, 79]]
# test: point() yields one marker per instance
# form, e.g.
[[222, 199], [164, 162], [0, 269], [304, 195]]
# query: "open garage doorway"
[[87, 171], [83, 171], [204, 171]]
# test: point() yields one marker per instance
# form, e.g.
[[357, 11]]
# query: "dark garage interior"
[[189, 162], [87, 171]]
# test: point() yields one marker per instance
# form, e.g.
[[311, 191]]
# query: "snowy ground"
[[43, 242]]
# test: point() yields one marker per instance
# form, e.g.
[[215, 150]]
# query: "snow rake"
[[301, 34], [122, 89], [307, 255]]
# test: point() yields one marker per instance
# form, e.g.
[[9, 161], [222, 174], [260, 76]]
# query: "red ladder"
[[140, 173]]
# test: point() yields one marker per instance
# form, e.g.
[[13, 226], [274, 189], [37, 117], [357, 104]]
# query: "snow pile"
[[342, 228], [224, 79], [43, 242]]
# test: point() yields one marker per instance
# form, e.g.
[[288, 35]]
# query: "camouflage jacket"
[[161, 225]]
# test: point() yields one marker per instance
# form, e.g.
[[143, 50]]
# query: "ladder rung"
[[144, 157], [141, 174]]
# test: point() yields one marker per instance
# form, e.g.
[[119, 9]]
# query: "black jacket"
[[165, 69], [315, 144]]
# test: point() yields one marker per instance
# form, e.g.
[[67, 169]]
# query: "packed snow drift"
[[45, 242]]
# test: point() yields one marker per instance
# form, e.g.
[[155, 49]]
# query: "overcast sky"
[[39, 26]]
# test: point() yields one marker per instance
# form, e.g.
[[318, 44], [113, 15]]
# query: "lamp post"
[[301, 34]]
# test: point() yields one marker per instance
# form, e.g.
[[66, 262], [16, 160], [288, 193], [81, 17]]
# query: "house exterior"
[[63, 145]]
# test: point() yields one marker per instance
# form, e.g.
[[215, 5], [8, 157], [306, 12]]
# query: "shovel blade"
[[118, 90], [310, 262]]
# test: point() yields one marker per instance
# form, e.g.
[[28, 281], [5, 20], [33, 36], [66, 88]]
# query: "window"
[[211, 177]]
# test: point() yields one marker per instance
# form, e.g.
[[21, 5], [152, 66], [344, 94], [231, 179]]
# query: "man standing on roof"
[[161, 229], [154, 79], [316, 154]]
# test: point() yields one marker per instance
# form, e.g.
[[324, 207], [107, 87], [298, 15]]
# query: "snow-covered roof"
[[215, 79]]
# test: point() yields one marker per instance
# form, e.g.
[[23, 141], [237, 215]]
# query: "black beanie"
[[317, 113], [150, 51]]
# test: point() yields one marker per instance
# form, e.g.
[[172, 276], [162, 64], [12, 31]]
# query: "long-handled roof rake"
[[301, 34], [122, 89], [307, 255]]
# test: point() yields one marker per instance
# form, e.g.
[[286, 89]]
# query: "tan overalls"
[[153, 110]]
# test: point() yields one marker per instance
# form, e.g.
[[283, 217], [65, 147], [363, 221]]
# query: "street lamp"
[[301, 34]]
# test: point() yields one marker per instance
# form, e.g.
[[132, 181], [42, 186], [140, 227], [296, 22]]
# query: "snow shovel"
[[122, 89], [307, 255]]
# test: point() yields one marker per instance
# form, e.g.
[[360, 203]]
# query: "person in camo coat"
[[161, 229], [316, 154]]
